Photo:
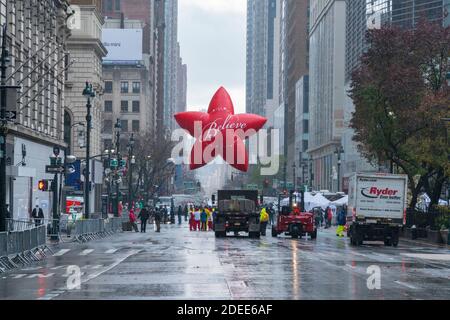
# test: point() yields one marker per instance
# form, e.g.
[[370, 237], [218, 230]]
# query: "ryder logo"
[[375, 193]]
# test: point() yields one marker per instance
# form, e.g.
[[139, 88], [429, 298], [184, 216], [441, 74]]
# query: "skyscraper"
[[294, 65], [262, 57], [326, 88]]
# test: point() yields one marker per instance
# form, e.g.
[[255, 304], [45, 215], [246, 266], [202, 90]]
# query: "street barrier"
[[22, 247], [91, 229]]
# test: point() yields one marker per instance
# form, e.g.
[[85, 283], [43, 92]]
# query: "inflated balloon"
[[220, 132]]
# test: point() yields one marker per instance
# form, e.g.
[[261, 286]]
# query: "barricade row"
[[20, 241]]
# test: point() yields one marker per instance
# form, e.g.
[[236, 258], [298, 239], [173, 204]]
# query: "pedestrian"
[[144, 215], [157, 217], [197, 216], [341, 221], [165, 213], [210, 219], [38, 215], [180, 212], [271, 213], [186, 212], [191, 220], [263, 219], [132, 218], [203, 218]]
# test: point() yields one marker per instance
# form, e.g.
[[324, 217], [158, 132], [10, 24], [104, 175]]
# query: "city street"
[[178, 264]]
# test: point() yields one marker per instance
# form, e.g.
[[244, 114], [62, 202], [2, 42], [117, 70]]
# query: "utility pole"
[[3, 133], [117, 128], [130, 163], [88, 92]]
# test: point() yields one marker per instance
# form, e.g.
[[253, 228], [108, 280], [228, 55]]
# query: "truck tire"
[[387, 242], [395, 242], [314, 234], [254, 235], [295, 232]]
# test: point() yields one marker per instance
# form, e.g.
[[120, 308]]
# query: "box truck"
[[376, 207]]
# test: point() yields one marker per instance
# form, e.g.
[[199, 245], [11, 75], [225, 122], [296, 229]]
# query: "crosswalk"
[[85, 252]]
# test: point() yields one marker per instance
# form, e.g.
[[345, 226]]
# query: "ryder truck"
[[376, 207]]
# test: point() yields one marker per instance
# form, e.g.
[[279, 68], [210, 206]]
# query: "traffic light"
[[43, 185]]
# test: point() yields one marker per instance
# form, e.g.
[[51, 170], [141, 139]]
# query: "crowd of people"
[[201, 218]]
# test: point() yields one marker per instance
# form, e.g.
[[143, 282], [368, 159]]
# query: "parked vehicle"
[[376, 207], [237, 211]]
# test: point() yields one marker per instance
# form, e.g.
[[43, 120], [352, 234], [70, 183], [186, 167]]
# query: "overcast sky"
[[212, 39]]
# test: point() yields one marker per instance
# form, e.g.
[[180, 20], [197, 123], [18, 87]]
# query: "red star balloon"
[[220, 132]]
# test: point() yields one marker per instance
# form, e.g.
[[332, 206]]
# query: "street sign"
[[11, 115], [54, 169]]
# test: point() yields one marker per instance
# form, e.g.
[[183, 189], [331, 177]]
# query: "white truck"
[[376, 207]]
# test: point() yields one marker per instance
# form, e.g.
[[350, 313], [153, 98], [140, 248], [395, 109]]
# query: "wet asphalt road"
[[178, 264]]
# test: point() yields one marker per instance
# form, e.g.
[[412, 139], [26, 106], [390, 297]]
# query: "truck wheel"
[[314, 234], [220, 234], [295, 232], [395, 242], [254, 235], [387, 242]]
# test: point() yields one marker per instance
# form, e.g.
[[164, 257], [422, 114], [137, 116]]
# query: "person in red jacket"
[[132, 218], [192, 226], [329, 217]]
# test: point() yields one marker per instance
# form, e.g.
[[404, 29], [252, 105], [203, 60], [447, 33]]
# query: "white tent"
[[320, 201], [341, 201]]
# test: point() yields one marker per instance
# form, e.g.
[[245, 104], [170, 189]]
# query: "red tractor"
[[293, 221]]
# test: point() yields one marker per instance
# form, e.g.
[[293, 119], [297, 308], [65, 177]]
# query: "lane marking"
[[428, 256], [61, 252], [405, 284], [111, 251], [55, 293], [86, 252]]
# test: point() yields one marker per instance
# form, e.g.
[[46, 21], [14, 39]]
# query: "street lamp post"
[[89, 93], [130, 163], [295, 178], [339, 151], [117, 128]]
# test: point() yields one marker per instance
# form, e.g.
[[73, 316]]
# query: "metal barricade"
[[41, 235], [12, 243], [3, 244], [19, 240], [19, 225], [34, 238], [26, 240]]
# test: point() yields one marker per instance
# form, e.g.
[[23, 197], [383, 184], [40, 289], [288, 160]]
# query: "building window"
[[108, 106], [124, 106], [136, 107], [124, 87], [136, 87], [109, 5], [117, 7], [135, 125], [108, 87], [107, 126], [124, 125]]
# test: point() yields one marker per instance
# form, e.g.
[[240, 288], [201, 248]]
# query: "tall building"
[[406, 13], [129, 69], [86, 52], [36, 36], [326, 88], [262, 62], [302, 129], [296, 54], [361, 15], [172, 66]]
